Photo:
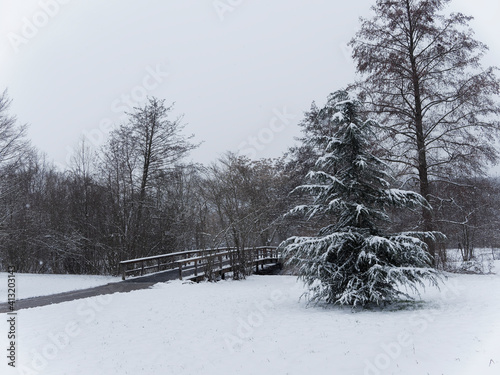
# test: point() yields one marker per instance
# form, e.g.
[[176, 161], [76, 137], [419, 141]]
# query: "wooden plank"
[[133, 270], [179, 253], [189, 260]]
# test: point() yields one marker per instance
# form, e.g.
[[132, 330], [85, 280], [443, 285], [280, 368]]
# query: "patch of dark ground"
[[275, 269]]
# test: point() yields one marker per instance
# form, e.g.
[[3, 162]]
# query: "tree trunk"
[[420, 139]]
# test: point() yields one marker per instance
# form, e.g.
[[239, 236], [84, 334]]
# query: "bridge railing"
[[196, 259]]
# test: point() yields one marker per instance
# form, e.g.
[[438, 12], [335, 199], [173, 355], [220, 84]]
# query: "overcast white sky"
[[243, 75]]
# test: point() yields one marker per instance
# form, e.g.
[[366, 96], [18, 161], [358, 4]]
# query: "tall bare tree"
[[158, 139], [421, 73], [141, 151]]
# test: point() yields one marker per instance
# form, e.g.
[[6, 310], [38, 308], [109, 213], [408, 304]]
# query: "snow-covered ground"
[[34, 285], [258, 326]]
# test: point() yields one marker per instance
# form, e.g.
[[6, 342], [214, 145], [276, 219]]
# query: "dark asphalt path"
[[126, 286]]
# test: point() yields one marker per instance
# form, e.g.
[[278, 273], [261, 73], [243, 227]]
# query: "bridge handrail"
[[206, 254], [153, 257]]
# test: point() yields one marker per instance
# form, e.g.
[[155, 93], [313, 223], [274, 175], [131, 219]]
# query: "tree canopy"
[[421, 77]]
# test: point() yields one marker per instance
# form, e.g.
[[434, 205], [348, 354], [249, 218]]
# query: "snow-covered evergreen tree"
[[352, 260]]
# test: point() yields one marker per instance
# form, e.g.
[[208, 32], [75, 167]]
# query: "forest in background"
[[420, 79], [123, 203]]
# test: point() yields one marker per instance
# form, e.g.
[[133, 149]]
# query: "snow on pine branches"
[[352, 261]]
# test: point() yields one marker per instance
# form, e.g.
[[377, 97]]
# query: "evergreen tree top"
[[348, 181]]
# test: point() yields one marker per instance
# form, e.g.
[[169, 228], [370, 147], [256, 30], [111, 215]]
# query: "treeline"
[[434, 114], [85, 221], [136, 197]]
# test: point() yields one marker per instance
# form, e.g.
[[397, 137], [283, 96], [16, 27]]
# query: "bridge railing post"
[[124, 269], [256, 259], [180, 270]]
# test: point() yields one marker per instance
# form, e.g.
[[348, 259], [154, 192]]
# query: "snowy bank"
[[258, 326]]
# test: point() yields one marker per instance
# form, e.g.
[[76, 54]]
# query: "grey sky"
[[242, 73]]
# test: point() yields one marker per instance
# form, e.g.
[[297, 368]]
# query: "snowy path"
[[75, 293], [30, 285], [121, 287]]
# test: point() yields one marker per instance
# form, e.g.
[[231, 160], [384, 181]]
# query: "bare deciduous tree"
[[246, 201], [141, 151], [421, 74]]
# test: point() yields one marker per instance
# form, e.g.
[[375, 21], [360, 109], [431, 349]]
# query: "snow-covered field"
[[34, 285], [258, 326]]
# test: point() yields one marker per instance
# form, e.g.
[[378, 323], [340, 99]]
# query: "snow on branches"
[[352, 261]]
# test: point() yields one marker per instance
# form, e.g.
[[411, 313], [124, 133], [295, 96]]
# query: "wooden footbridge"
[[197, 264]]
